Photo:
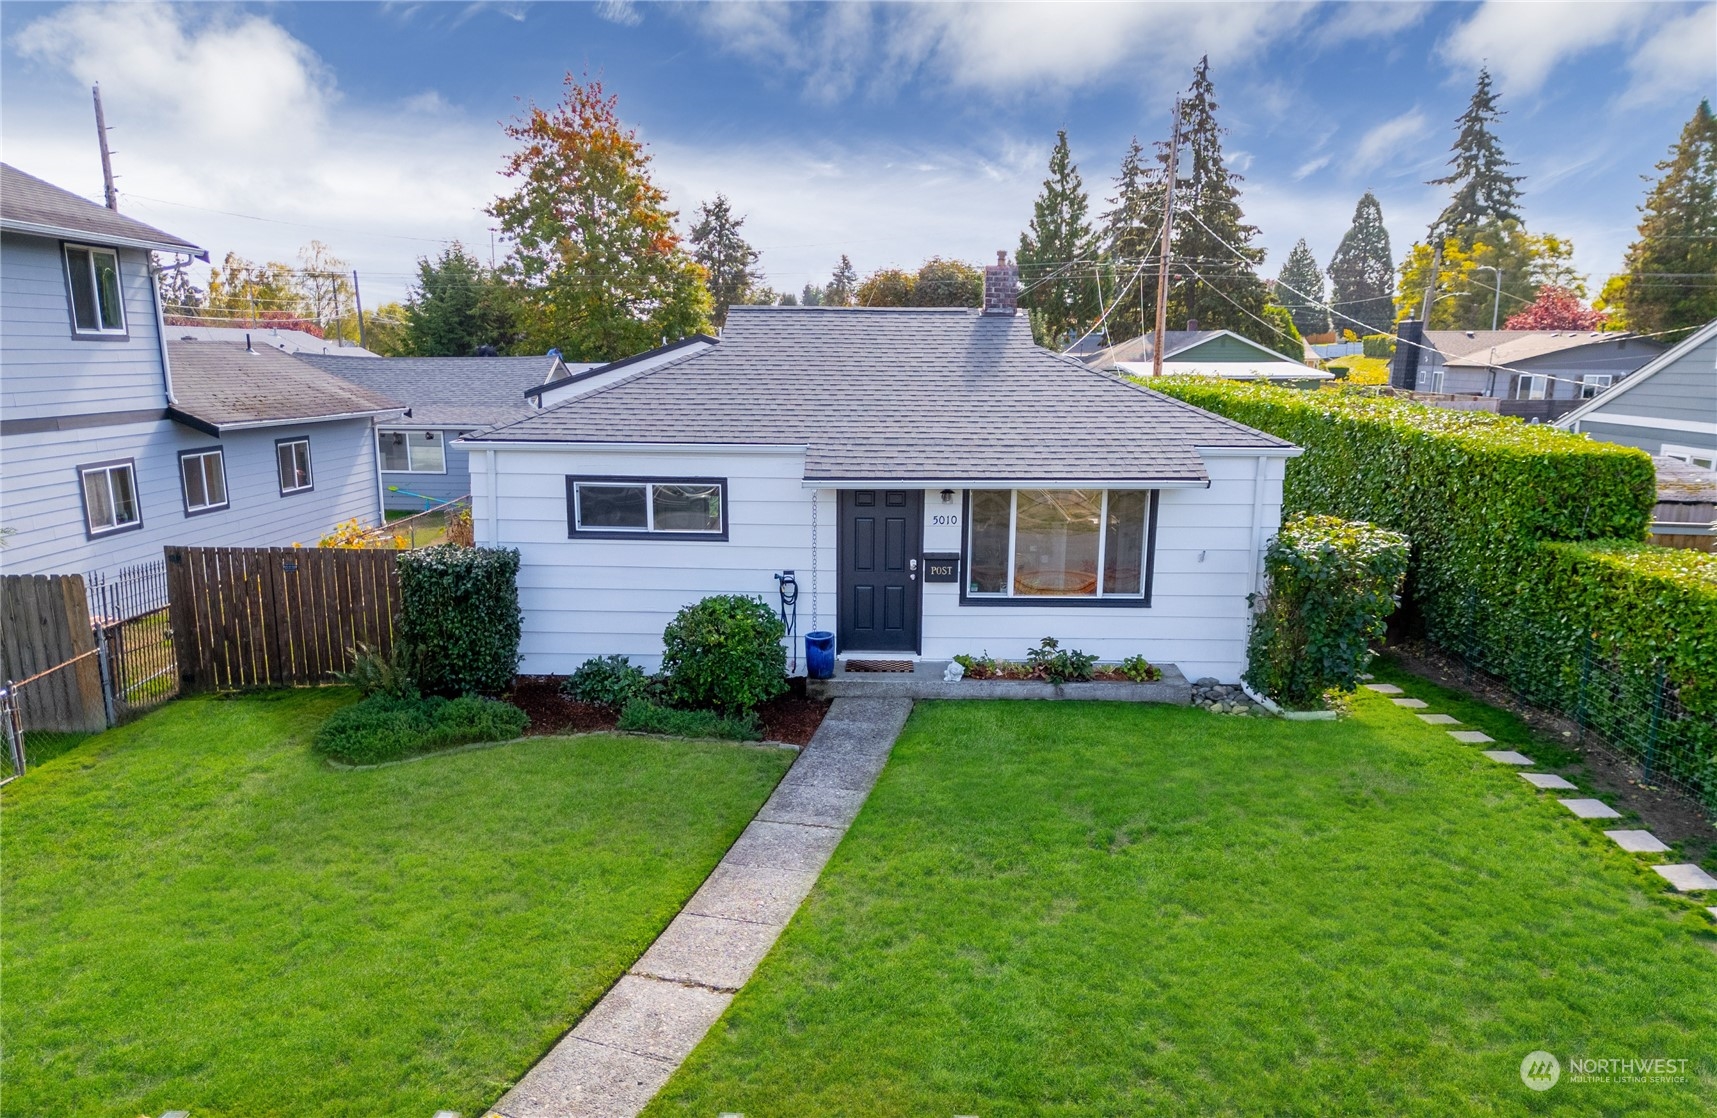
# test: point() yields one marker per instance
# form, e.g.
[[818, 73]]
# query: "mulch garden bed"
[[792, 718]]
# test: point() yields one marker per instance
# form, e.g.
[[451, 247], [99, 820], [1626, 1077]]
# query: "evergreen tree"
[[725, 255], [1485, 193], [842, 287], [1211, 235], [1300, 289], [602, 270], [457, 305], [1062, 304], [811, 296], [1131, 235], [1362, 273], [1671, 278]]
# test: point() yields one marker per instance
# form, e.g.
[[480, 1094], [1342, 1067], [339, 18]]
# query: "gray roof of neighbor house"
[[1139, 348], [31, 205], [450, 391], [931, 395], [292, 341], [221, 386], [1485, 348]]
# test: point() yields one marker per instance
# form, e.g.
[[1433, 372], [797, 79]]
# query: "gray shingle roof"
[[222, 385], [1511, 345], [31, 204], [903, 395], [455, 391]]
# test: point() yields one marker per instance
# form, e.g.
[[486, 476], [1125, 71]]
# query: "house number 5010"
[[949, 519]]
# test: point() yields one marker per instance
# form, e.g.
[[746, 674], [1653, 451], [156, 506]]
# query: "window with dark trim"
[[1059, 547], [646, 508], [97, 300], [203, 480], [412, 452], [110, 497], [293, 457]]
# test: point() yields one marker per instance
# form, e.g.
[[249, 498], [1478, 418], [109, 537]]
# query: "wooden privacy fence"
[[44, 624], [261, 616]]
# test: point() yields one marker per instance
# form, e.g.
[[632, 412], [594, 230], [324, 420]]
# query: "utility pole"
[[358, 298], [1163, 264], [106, 156], [1431, 288]]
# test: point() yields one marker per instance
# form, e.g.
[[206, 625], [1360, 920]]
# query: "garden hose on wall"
[[789, 588]]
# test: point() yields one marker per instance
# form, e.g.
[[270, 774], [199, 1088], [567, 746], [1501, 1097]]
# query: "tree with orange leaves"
[[594, 250]]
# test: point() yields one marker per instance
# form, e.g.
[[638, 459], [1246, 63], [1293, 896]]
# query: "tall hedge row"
[[459, 613], [1525, 538]]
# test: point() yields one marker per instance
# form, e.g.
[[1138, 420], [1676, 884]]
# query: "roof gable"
[[904, 394], [1663, 361], [32, 205]]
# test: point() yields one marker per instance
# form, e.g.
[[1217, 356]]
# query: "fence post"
[[14, 732], [1585, 681], [107, 688], [1656, 718]]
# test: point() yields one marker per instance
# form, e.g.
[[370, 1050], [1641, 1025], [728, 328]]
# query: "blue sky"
[[889, 132]]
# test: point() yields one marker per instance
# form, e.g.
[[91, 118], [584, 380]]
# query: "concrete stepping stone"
[[759, 894], [708, 951], [1636, 842], [648, 1017], [1470, 737], [1550, 782], [1383, 688], [1591, 809], [1508, 757], [1687, 878], [1411, 704], [1439, 720]]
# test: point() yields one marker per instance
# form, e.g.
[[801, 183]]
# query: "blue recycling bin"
[[819, 654]]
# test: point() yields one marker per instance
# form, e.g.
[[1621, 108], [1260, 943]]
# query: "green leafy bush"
[[1140, 670], [387, 728], [1332, 585], [725, 653], [1060, 665], [983, 666], [374, 672], [1378, 345], [609, 681], [460, 610], [644, 717]]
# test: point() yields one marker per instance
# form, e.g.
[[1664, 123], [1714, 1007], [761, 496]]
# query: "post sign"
[[942, 566]]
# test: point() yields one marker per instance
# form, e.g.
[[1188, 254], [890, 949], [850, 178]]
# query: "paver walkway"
[[615, 1060]]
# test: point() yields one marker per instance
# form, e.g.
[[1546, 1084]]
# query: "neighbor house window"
[[1692, 455], [693, 508], [293, 456], [110, 497], [93, 276], [413, 452], [1593, 383], [1059, 544], [203, 475], [1532, 386]]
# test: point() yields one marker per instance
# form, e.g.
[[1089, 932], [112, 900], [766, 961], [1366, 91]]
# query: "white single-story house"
[[936, 482], [1205, 353]]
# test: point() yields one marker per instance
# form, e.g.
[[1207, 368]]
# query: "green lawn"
[[200, 915], [1101, 909]]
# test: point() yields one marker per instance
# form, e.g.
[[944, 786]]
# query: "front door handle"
[[912, 570]]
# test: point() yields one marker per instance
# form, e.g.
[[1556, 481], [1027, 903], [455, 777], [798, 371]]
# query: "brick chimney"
[[1001, 287]]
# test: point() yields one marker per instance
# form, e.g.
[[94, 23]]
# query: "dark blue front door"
[[881, 532]]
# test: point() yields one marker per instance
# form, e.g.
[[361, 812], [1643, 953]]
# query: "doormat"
[[878, 665]]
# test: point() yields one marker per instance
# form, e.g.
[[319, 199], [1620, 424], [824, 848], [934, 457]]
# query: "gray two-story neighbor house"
[[446, 397], [1532, 374], [115, 441], [1668, 408]]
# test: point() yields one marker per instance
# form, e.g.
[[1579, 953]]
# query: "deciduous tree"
[[1556, 308], [947, 283], [242, 292], [603, 272], [886, 287], [1466, 296]]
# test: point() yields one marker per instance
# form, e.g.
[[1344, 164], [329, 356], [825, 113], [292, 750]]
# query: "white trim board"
[[1691, 426]]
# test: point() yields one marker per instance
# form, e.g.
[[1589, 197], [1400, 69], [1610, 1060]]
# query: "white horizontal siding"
[[584, 598], [44, 369], [42, 504]]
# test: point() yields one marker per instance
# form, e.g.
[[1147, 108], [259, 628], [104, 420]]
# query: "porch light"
[[947, 496]]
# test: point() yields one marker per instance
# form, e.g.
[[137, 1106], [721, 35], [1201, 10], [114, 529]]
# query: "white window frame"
[[1103, 597], [1533, 386], [408, 432], [309, 472], [1594, 384], [108, 470], [1692, 455], [200, 457], [576, 529], [92, 278]]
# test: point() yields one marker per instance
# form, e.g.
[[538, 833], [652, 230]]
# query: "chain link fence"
[[52, 711]]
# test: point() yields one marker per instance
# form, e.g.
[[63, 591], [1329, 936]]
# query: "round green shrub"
[[609, 681], [724, 653]]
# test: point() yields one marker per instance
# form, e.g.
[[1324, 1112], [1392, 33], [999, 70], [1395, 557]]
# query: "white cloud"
[[623, 12], [1383, 141], [1370, 22], [1309, 167], [1678, 60]]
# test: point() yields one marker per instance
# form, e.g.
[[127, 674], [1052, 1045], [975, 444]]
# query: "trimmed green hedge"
[[641, 716], [459, 611], [1332, 587]]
